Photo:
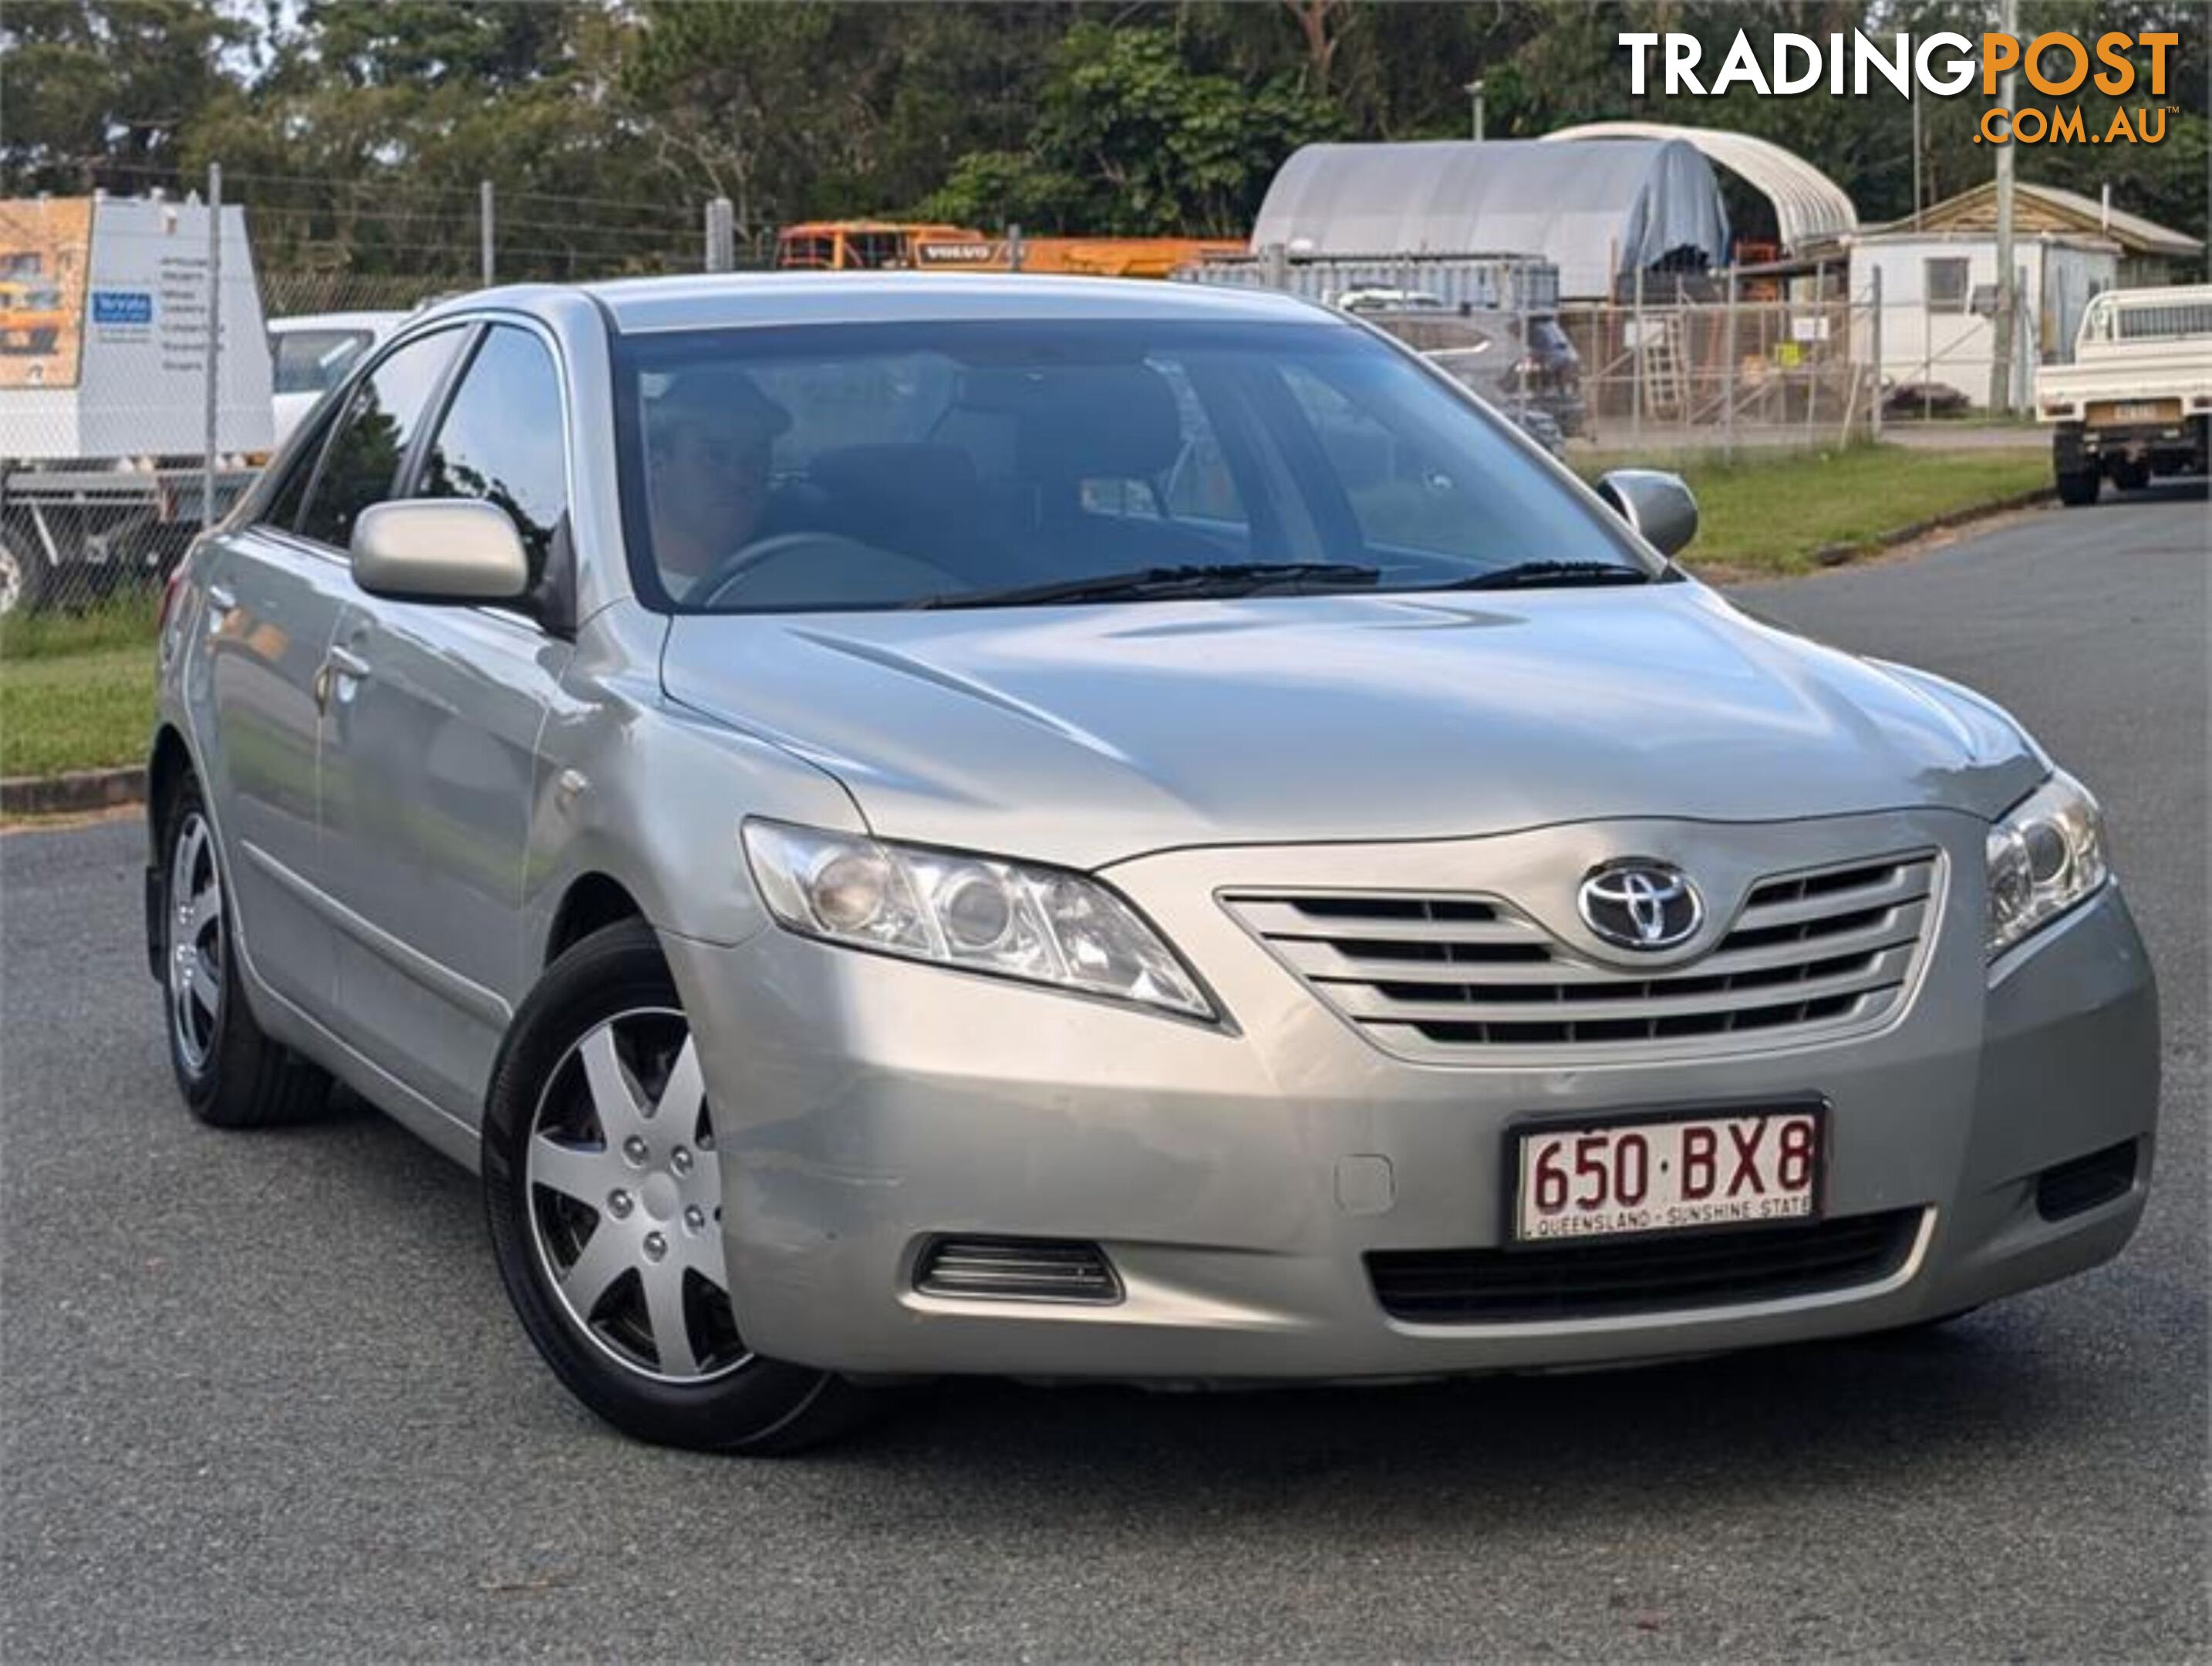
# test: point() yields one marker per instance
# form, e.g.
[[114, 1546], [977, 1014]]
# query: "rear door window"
[[361, 464]]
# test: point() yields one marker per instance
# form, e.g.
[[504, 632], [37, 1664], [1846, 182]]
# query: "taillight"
[[176, 581]]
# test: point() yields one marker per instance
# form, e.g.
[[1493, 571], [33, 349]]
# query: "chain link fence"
[[1935, 362], [1703, 375]]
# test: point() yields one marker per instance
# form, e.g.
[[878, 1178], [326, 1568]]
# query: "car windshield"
[[945, 463]]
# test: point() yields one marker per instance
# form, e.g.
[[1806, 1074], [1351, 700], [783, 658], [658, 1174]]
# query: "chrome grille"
[[1824, 950]]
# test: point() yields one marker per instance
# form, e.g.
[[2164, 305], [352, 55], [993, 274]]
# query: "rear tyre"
[[2078, 488], [231, 1075], [602, 1192]]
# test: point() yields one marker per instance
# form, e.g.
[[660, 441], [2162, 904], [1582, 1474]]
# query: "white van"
[[310, 355]]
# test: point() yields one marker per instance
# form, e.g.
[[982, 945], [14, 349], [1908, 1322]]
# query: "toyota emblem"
[[1640, 904]]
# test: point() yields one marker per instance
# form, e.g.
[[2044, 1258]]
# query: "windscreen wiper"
[[1240, 578], [1534, 574]]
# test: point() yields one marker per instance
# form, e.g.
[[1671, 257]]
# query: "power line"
[[326, 183], [329, 226], [418, 217]]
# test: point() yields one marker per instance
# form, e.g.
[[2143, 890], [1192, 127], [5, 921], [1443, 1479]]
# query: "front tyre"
[[602, 1192]]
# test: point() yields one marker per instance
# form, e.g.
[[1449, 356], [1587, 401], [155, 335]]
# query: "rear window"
[[882, 465], [2166, 321]]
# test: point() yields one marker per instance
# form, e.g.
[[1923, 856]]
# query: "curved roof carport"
[[1598, 210], [1809, 207]]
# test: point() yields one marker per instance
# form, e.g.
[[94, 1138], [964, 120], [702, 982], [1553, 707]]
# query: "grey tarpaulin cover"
[[1593, 207]]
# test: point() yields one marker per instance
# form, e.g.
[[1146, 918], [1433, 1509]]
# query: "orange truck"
[[913, 245]]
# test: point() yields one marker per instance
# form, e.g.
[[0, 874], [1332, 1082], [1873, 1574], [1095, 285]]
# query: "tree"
[[798, 111], [1131, 139], [994, 189], [361, 149], [1322, 23], [100, 92]]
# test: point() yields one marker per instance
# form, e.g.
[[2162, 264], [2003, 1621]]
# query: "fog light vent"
[[2086, 1181], [1017, 1269]]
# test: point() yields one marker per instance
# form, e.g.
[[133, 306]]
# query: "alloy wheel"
[[624, 1197], [195, 943]]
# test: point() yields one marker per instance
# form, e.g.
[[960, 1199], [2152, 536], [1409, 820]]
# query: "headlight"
[[2046, 856], [1038, 924]]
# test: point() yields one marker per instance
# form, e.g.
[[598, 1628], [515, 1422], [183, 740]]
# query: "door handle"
[[338, 662]]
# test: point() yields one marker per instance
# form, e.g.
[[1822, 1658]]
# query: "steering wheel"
[[819, 549]]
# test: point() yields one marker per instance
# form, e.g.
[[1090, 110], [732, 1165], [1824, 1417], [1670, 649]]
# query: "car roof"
[[708, 302]]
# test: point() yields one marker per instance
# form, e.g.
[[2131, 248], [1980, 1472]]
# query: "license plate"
[[2138, 411], [1658, 1176]]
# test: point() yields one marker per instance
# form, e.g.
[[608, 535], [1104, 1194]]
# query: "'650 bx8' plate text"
[[1656, 1176]]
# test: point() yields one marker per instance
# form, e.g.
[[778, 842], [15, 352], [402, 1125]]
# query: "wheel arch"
[[166, 766], [593, 901]]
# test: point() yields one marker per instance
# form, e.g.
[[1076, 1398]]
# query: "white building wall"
[[1953, 349], [140, 383]]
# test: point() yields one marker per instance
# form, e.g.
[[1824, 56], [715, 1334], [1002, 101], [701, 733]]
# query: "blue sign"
[[122, 306]]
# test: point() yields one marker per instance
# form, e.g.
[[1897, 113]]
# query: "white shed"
[[1939, 303]]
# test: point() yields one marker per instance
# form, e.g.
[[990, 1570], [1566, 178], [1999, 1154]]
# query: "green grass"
[[122, 621], [77, 688], [75, 711], [1769, 514]]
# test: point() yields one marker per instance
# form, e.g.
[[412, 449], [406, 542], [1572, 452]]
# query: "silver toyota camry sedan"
[[1100, 829]]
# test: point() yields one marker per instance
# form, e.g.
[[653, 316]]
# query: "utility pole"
[[1473, 90], [1874, 341], [2001, 357], [1916, 197], [214, 413], [484, 226], [721, 235]]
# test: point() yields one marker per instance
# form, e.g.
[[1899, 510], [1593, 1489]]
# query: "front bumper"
[[1237, 1176]]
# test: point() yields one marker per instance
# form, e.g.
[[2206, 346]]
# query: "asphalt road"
[[260, 1395]]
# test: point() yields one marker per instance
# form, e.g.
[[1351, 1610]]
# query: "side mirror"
[[439, 549], [1656, 505]]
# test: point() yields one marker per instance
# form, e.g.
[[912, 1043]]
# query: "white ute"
[[2137, 399]]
